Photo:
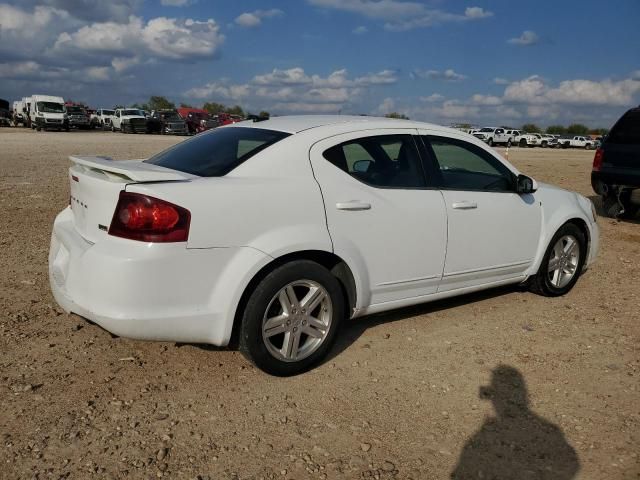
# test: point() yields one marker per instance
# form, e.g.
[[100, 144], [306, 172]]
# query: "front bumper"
[[148, 291]]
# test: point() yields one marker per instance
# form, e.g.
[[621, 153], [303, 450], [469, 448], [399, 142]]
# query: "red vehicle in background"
[[227, 119], [197, 119]]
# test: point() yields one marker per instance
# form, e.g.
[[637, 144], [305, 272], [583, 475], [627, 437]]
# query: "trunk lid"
[[95, 184]]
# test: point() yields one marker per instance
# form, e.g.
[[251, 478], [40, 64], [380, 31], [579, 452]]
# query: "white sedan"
[[274, 232]]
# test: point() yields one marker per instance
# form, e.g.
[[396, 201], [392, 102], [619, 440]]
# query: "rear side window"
[[217, 152], [382, 161], [627, 130]]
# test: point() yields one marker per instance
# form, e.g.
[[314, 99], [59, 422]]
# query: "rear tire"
[[523, 143], [490, 142], [562, 262], [282, 309]]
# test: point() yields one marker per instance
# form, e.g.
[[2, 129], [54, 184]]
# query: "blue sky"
[[482, 62]]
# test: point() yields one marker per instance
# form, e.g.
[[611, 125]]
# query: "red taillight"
[[597, 159], [149, 219]]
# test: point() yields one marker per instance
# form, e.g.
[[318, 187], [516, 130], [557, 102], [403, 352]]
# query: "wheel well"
[[582, 225], [330, 261]]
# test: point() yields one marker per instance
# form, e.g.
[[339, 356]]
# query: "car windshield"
[[50, 107], [132, 113], [487, 130], [75, 110], [170, 116], [107, 112], [217, 152]]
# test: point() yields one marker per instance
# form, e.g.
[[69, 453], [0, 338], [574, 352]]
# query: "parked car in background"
[[26, 111], [166, 122], [282, 229], [129, 120], [78, 117], [227, 119], [527, 140], [616, 167], [47, 112], [198, 120], [548, 140], [5, 113], [576, 141], [102, 118], [493, 136], [17, 114]]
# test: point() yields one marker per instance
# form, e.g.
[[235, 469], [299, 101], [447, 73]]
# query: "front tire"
[[523, 143], [562, 263], [291, 319]]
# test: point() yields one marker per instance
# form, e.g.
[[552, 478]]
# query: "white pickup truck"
[[494, 136], [527, 140], [577, 141], [102, 118], [129, 120]]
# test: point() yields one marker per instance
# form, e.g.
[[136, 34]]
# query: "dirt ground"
[[400, 396]]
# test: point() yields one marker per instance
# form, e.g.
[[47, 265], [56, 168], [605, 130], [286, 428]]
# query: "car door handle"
[[353, 205], [464, 205]]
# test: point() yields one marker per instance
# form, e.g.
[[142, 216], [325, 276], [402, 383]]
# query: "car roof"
[[299, 123]]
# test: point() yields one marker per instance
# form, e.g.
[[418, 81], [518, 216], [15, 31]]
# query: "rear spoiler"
[[135, 170]]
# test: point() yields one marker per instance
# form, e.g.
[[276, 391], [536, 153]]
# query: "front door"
[[493, 232], [382, 213]]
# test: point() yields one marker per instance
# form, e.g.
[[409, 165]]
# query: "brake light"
[[148, 219], [597, 159]]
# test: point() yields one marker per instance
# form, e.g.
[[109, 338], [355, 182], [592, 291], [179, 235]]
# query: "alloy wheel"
[[297, 320], [563, 262]]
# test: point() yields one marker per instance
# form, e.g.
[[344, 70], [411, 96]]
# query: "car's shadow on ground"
[[597, 202], [352, 330]]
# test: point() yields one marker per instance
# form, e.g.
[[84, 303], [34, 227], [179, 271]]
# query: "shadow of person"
[[516, 443]]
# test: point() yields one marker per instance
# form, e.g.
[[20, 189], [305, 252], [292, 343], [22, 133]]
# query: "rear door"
[[493, 232], [383, 215]]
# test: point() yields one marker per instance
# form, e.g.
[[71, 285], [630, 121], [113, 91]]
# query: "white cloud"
[[361, 30], [534, 90], [400, 15], [160, 37], [448, 75], [294, 90], [527, 38], [435, 97], [253, 19], [175, 3], [388, 105], [488, 100], [500, 81], [477, 12], [92, 10]]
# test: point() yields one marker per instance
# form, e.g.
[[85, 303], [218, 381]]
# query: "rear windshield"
[[627, 130], [217, 152]]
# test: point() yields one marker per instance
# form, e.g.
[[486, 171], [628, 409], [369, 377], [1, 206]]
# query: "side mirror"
[[525, 184], [362, 166]]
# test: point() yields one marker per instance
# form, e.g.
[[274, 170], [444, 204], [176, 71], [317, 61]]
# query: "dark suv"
[[616, 167]]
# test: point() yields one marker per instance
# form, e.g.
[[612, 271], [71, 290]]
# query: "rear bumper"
[[626, 178], [148, 291]]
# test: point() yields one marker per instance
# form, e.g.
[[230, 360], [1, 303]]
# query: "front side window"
[[217, 152], [464, 166], [381, 161]]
